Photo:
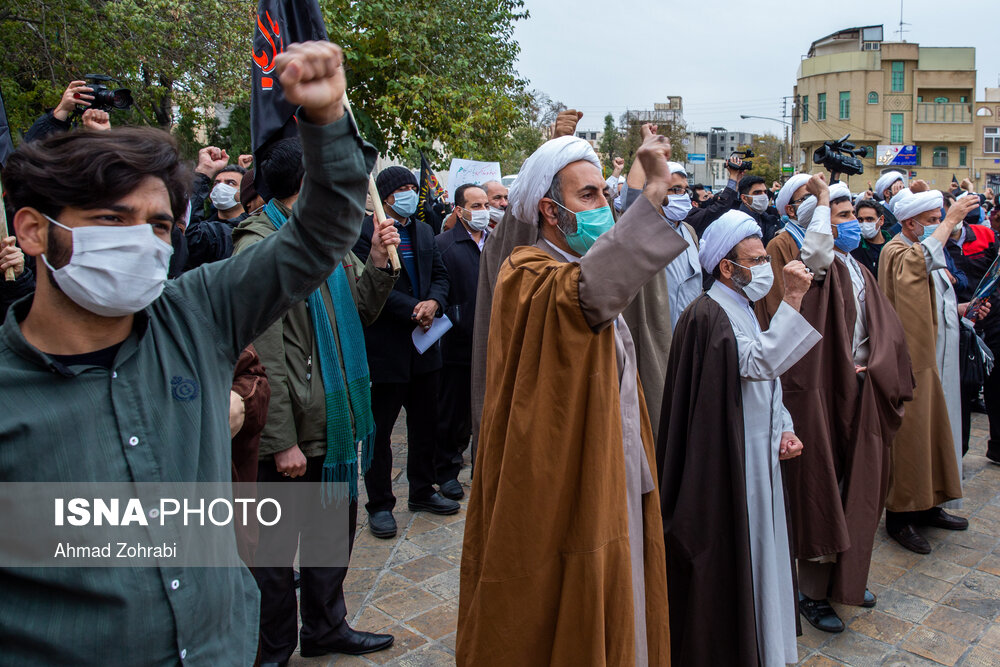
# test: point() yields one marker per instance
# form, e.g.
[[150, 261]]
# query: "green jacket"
[[288, 351]]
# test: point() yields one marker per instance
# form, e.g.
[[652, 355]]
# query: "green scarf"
[[344, 398]]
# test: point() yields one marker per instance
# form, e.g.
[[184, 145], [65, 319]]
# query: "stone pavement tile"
[[983, 582], [907, 659], [427, 656], [298, 661], [904, 606], [424, 568], [454, 518], [340, 660], [449, 641], [371, 620], [811, 637], [407, 604], [438, 622], [883, 573], [437, 539], [973, 602], [972, 539], [956, 553], [851, 648], [803, 653], [370, 556], [365, 538], [390, 584], [891, 553], [354, 600], [934, 645], [991, 564], [848, 612], [881, 626], [406, 641], [981, 657], [926, 587], [941, 569], [407, 551], [957, 623], [444, 585], [421, 524], [991, 639], [819, 660], [360, 580]]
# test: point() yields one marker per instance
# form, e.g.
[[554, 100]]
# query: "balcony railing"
[[944, 113]]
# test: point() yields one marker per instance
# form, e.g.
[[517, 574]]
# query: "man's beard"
[[57, 254]]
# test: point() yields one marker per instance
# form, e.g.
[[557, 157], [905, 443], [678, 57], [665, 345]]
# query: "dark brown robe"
[[837, 487], [250, 382], [702, 479]]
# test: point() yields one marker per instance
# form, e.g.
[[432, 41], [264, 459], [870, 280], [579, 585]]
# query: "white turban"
[[921, 202], [723, 235], [535, 176], [788, 189], [676, 168], [887, 179], [808, 207], [838, 190], [898, 199]]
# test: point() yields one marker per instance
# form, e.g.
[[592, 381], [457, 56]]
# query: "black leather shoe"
[[820, 614], [382, 524], [435, 505], [452, 489], [870, 599], [938, 518], [909, 538], [351, 643]]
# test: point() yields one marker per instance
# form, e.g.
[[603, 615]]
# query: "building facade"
[[912, 107]]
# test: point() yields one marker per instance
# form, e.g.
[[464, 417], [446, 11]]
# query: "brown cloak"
[[924, 470], [548, 582], [702, 478], [837, 487]]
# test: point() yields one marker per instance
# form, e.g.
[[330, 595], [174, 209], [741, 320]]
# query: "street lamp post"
[[783, 145]]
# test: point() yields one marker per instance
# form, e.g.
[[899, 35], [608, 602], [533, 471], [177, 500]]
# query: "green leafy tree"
[[675, 132], [767, 161], [611, 144]]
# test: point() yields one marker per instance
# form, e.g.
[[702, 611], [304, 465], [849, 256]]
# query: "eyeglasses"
[[676, 190], [755, 261], [796, 202]]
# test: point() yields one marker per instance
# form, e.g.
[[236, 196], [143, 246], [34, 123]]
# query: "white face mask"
[[758, 203], [479, 221], [224, 196], [677, 208], [496, 215], [761, 279], [869, 229], [114, 271]]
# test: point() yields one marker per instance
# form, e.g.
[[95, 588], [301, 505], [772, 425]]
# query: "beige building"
[[894, 97]]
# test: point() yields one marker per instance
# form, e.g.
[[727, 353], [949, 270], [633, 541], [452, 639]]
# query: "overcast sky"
[[724, 58]]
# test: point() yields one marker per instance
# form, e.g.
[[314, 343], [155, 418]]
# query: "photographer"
[[77, 93], [755, 203], [711, 209]]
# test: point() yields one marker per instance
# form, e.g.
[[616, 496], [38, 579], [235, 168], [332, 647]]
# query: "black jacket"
[[712, 210], [391, 354], [769, 223], [13, 290], [460, 254], [867, 253], [45, 125], [210, 240]]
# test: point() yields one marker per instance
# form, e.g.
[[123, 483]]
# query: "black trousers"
[[324, 613], [454, 421], [420, 397], [991, 396]]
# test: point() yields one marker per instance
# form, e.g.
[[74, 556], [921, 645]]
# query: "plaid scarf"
[[345, 397]]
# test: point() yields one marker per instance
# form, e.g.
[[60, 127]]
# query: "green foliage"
[[537, 114], [435, 74], [675, 132], [611, 144], [767, 163]]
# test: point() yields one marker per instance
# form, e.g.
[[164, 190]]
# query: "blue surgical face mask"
[[405, 202], [589, 227], [848, 235], [928, 230]]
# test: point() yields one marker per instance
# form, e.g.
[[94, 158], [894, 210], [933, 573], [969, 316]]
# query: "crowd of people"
[[687, 410]]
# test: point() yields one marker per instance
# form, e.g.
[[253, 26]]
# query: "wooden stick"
[[9, 273], [376, 202]]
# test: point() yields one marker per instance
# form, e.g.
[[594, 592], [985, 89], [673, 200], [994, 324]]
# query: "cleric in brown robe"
[[562, 562], [846, 397]]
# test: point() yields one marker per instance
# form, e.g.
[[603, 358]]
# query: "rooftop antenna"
[[901, 23]]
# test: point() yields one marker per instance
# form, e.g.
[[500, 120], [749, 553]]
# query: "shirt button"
[[133, 441], [114, 375], [175, 584], [184, 653], [153, 513]]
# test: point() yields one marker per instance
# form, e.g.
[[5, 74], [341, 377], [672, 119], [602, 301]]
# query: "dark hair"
[[462, 189], [230, 167], [868, 203], [91, 169], [748, 182], [697, 186], [840, 200], [282, 169]]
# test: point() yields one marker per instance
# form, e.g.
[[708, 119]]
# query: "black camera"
[[106, 99], [841, 156], [746, 165]]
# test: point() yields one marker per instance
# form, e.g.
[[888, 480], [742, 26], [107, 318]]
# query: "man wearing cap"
[[401, 376], [926, 454], [846, 396], [723, 433], [563, 556]]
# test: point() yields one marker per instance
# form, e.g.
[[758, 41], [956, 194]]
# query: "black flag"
[[278, 24], [6, 141], [430, 207]]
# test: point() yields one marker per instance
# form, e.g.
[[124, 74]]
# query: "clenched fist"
[[312, 76], [565, 124], [798, 278]]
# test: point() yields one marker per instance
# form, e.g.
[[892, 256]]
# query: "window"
[[821, 107], [920, 98], [873, 97], [963, 99], [940, 158], [962, 154], [919, 156], [983, 111], [898, 76], [845, 104], [991, 139], [805, 108], [940, 100], [896, 128]]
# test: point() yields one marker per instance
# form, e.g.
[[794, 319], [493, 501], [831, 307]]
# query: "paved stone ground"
[[939, 609]]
